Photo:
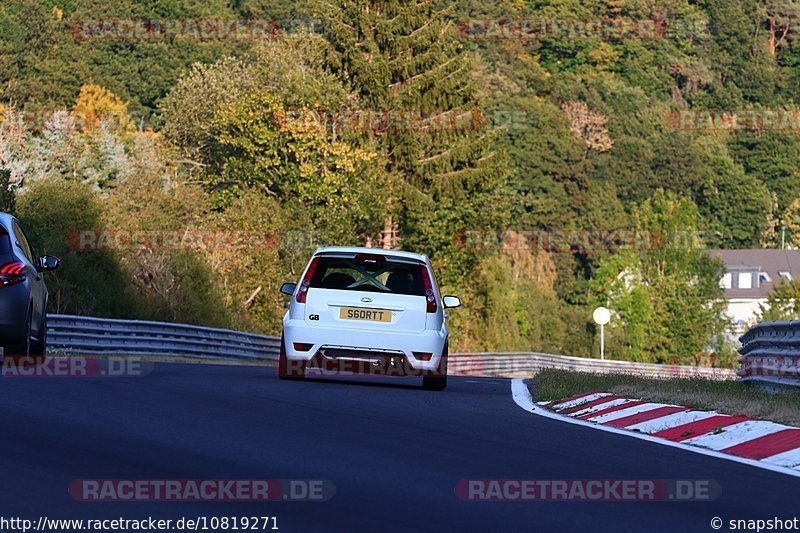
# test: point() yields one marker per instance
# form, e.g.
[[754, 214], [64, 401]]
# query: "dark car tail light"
[[12, 273], [430, 297], [306, 283], [302, 346]]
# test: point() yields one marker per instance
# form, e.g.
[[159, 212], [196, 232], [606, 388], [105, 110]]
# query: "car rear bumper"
[[337, 343]]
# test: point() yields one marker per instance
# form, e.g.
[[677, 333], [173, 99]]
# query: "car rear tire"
[[437, 382], [289, 370], [40, 347]]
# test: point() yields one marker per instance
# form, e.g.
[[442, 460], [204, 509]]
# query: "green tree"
[[667, 296], [618, 283], [44, 61], [736, 206], [405, 57], [772, 158], [53, 212], [7, 196], [189, 108], [258, 144], [514, 307], [791, 221], [783, 17], [783, 303]]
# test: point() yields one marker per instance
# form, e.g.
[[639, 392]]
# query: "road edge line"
[[522, 397]]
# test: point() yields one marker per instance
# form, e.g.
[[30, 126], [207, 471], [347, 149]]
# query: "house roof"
[[772, 262]]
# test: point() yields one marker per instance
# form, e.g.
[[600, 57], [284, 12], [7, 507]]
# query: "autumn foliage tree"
[[96, 105]]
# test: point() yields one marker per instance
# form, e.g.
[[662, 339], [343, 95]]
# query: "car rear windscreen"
[[369, 276]]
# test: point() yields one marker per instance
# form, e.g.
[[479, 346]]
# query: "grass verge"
[[728, 397]]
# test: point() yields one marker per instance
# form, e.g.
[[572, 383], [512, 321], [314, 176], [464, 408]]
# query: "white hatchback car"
[[363, 309]]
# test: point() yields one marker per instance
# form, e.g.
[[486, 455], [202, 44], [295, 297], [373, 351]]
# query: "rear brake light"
[[306, 283], [430, 297], [12, 273], [371, 258]]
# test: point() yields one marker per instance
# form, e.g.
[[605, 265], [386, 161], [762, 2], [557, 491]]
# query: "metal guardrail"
[[68, 334], [771, 353], [523, 364]]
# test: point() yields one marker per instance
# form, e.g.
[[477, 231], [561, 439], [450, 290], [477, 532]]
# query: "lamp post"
[[602, 316]]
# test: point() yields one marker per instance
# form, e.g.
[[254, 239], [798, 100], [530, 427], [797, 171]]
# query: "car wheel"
[[290, 370], [437, 382], [40, 347]]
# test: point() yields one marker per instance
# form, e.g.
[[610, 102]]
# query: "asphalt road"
[[394, 452]]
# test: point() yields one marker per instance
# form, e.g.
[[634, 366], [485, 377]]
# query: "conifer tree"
[[405, 60]]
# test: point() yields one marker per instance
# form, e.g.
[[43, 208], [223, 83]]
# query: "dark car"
[[23, 295]]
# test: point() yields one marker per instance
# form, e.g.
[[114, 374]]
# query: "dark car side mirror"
[[48, 263], [288, 288]]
